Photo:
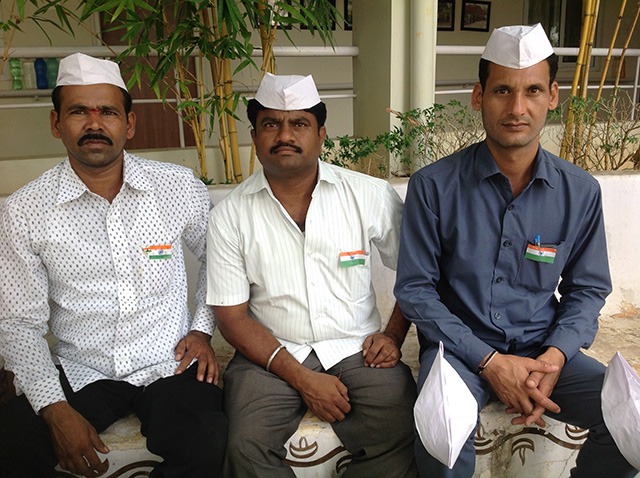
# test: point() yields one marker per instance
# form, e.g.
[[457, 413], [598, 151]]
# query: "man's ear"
[[323, 133], [55, 124], [476, 97], [253, 135], [554, 95], [131, 125]]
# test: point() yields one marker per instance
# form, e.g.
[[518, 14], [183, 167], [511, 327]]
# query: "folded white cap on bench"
[[445, 412], [621, 407]]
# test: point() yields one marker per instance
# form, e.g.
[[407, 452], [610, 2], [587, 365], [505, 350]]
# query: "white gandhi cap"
[[81, 69], [287, 92], [518, 46]]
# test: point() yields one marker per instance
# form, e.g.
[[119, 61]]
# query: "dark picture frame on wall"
[[348, 14], [475, 16], [446, 15], [333, 23]]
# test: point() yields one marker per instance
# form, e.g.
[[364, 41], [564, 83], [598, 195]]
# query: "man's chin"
[[96, 159]]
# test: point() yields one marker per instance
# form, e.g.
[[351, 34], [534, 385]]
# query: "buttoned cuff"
[[568, 343], [204, 321], [472, 351], [43, 393]]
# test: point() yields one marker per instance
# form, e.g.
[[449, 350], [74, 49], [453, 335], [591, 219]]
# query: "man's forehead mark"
[[92, 109]]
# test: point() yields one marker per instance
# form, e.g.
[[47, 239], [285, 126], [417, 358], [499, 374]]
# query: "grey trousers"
[[264, 411], [578, 395]]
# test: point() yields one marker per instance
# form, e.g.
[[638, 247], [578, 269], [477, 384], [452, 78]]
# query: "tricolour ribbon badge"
[[540, 254], [157, 252], [350, 259]]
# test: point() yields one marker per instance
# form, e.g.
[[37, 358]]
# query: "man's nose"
[[517, 105], [93, 119], [285, 134]]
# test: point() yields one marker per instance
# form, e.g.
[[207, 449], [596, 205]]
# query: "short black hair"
[[483, 70], [55, 97], [254, 106]]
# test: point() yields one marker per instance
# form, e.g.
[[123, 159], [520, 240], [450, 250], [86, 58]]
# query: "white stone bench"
[[502, 450]]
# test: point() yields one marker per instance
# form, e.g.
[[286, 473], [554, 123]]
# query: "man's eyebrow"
[[85, 107], [272, 119], [299, 119], [540, 86]]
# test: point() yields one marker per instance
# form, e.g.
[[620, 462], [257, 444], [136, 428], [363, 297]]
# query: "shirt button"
[[499, 279], [510, 207], [497, 315], [506, 243]]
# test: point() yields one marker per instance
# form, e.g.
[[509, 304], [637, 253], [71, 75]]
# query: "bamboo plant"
[[603, 147], [217, 32], [162, 36]]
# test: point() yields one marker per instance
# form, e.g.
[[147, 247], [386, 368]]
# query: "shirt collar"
[[72, 187], [135, 174], [485, 166]]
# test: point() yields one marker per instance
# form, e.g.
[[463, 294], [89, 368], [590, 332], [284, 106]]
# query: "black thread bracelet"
[[482, 367]]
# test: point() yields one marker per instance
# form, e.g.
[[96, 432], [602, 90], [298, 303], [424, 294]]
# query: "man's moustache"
[[94, 136], [297, 149]]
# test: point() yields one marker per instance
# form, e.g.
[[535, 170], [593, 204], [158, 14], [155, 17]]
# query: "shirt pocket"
[[540, 275], [158, 268], [354, 278]]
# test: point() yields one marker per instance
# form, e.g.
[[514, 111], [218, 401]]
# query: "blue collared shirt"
[[463, 278]]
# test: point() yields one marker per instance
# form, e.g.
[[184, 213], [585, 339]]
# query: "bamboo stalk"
[[569, 123], [605, 69], [603, 77], [626, 45], [203, 161], [231, 121], [593, 20], [223, 138], [584, 83], [8, 39], [618, 74]]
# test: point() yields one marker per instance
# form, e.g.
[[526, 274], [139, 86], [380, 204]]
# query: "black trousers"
[[181, 418]]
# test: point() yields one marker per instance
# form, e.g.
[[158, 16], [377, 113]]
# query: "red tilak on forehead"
[[94, 111]]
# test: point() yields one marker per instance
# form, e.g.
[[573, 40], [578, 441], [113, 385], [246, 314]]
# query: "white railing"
[[303, 51], [598, 52]]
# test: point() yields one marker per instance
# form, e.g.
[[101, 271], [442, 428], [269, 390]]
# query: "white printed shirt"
[[294, 282], [108, 279]]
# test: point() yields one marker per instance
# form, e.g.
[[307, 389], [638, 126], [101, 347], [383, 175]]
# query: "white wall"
[[621, 204]]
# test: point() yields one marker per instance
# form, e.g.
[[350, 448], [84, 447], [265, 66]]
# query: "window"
[[561, 19]]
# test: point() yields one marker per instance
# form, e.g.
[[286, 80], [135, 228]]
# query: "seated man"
[[291, 251], [92, 250], [487, 233]]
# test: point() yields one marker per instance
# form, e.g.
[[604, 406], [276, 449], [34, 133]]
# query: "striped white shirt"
[[294, 282], [108, 279]]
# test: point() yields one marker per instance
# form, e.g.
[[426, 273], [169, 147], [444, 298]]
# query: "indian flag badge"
[[540, 254], [157, 252], [350, 259]]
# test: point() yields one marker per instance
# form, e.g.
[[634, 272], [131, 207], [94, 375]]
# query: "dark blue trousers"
[[578, 395], [181, 418]]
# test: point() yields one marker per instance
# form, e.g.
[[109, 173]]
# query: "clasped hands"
[[525, 384]]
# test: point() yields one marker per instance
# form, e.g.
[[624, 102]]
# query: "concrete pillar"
[[423, 52], [396, 65]]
